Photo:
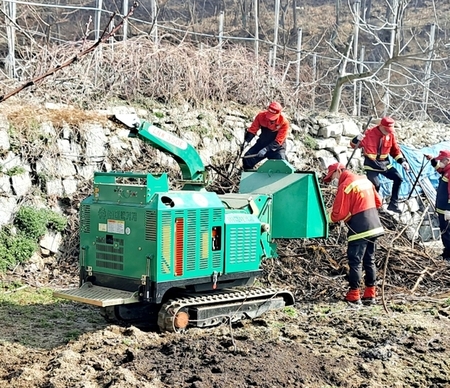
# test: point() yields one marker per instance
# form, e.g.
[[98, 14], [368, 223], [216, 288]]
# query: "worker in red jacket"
[[442, 165], [271, 143], [356, 204], [378, 143]]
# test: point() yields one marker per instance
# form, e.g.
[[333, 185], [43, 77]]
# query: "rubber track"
[[171, 308]]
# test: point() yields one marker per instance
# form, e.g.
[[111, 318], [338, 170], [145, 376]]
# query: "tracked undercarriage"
[[188, 310]]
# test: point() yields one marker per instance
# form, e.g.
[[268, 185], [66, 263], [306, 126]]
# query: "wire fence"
[[315, 70]]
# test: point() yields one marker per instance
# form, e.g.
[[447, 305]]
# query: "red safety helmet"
[[273, 111], [444, 154], [332, 168], [388, 124]]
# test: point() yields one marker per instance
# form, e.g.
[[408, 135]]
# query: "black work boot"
[[393, 207]]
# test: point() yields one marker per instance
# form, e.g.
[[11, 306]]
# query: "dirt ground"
[[321, 343]]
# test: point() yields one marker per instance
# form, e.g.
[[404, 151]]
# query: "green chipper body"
[[144, 245]]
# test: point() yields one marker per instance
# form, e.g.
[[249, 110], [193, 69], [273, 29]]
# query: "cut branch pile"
[[316, 269]]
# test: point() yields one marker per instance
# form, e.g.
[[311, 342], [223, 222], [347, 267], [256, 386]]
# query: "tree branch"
[[104, 37]]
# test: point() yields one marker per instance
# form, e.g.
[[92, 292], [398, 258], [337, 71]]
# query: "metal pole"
[[275, 32], [361, 69], [313, 93], [355, 53], [221, 28], [393, 27], [426, 90], [154, 33], [256, 31], [98, 15], [10, 61], [299, 52], [111, 27], [125, 23]]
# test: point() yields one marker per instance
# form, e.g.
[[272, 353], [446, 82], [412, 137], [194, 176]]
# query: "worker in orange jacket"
[[378, 143], [356, 204], [271, 143], [442, 165]]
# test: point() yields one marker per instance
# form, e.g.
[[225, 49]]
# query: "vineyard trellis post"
[[154, 32], [10, 11], [394, 26], [360, 83], [426, 88], [275, 33], [356, 5], [221, 19], [256, 10], [125, 22], [314, 78], [98, 15], [299, 52]]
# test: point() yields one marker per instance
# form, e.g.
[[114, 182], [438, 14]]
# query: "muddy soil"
[[320, 344]]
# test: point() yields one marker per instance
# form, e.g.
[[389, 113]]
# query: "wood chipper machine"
[[189, 257]]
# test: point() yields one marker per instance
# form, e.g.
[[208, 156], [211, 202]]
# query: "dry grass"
[[138, 70], [23, 117]]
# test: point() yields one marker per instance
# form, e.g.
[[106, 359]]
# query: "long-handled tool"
[[416, 180], [427, 188], [357, 145]]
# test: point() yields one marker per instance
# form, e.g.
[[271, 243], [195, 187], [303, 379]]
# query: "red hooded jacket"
[[280, 126], [376, 148], [356, 204], [443, 189]]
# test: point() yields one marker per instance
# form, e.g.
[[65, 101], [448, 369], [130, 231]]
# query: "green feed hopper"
[[298, 210]]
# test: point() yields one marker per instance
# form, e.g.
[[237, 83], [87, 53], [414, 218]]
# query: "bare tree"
[[392, 75]]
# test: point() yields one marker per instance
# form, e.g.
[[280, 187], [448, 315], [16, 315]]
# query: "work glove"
[[248, 137], [405, 165], [262, 153], [359, 136], [329, 220], [447, 215]]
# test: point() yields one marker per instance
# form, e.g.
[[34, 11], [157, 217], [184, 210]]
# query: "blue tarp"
[[416, 160]]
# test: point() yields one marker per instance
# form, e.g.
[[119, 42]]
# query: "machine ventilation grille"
[[166, 243], [217, 216], [85, 219], [217, 259], [244, 249], [110, 256], [204, 239], [150, 225], [109, 265], [191, 248]]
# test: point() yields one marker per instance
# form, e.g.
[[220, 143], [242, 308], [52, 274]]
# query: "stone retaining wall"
[[71, 155]]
